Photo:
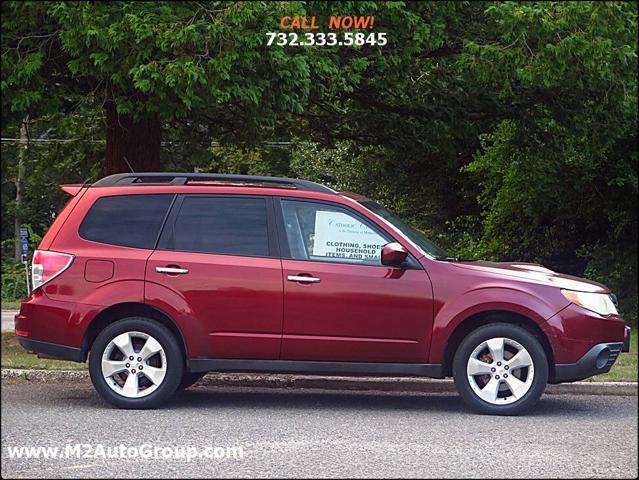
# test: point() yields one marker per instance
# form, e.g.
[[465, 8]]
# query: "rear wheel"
[[500, 369], [136, 363]]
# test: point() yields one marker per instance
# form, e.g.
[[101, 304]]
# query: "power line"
[[8, 140]]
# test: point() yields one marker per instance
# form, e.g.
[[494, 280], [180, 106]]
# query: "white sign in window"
[[338, 235]]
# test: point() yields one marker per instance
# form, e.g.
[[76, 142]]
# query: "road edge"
[[294, 382]]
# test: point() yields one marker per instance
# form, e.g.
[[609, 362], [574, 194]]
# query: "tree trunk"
[[132, 144], [19, 183]]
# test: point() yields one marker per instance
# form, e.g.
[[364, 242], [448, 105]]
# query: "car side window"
[[222, 225], [126, 220], [321, 232]]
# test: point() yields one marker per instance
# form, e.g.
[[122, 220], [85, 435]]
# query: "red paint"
[[72, 189], [236, 303], [356, 312], [393, 254], [98, 270], [575, 328], [244, 307]]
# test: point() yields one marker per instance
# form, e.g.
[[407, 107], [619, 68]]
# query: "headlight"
[[600, 303]]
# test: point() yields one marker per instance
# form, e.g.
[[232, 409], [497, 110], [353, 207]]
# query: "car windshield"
[[425, 245]]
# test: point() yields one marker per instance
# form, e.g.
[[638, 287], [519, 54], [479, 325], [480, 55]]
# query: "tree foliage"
[[503, 130]]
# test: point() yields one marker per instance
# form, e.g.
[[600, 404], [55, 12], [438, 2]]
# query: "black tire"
[[519, 335], [174, 363], [188, 379]]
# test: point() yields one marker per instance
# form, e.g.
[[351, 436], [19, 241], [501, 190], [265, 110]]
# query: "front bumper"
[[599, 359], [574, 331]]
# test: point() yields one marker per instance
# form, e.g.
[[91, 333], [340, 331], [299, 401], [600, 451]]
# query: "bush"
[[14, 283]]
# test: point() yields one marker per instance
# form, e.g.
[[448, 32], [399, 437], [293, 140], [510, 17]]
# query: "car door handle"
[[303, 279], [172, 270]]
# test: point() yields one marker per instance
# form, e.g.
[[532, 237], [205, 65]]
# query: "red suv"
[[158, 278]]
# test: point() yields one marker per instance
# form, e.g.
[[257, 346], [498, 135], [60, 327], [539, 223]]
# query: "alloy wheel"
[[134, 364], [500, 371]]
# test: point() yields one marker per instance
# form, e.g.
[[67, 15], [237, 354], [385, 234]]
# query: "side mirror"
[[393, 254]]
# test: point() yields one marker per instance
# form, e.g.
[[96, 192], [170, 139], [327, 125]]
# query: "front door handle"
[[303, 279], [172, 270]]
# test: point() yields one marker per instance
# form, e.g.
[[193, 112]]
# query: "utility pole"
[[19, 183]]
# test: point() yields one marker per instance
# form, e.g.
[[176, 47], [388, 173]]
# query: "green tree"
[[504, 130], [45, 166], [559, 179], [146, 63]]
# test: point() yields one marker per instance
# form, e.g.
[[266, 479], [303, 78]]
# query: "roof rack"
[[182, 178]]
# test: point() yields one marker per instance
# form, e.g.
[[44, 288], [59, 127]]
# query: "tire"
[[504, 390], [188, 379], [157, 363]]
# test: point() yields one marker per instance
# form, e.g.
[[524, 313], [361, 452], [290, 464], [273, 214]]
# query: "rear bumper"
[[54, 350], [599, 359], [52, 321]]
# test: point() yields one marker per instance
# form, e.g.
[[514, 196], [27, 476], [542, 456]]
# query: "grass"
[[11, 304], [14, 356]]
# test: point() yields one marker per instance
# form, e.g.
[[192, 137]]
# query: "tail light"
[[48, 265]]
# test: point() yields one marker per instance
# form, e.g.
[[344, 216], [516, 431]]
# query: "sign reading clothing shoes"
[[338, 235]]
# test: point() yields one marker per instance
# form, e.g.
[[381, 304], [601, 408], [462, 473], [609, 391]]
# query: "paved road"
[[7, 319], [306, 433]]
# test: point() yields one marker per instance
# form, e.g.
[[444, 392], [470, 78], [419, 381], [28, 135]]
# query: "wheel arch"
[[477, 320], [129, 309]]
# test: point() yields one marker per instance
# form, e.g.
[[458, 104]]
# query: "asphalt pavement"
[[305, 433]]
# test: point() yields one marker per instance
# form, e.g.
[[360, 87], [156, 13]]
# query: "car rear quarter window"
[[126, 220], [223, 225]]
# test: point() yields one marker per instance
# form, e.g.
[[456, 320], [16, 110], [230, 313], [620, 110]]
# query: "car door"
[[218, 266], [340, 302]]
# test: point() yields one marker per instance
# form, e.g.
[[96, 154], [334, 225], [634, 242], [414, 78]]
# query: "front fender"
[[484, 300]]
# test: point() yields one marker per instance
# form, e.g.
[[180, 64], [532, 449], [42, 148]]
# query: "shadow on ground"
[[239, 398]]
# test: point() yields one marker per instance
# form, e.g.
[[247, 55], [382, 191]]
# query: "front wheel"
[[500, 369], [136, 363]]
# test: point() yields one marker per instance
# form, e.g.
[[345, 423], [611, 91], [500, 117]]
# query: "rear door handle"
[[172, 270], [303, 279]]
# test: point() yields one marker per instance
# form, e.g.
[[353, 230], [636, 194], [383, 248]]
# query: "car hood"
[[531, 272]]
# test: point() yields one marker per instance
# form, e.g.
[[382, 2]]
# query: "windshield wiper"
[[454, 259]]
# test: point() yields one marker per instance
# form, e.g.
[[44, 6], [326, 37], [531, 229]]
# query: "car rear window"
[[126, 220], [223, 225]]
